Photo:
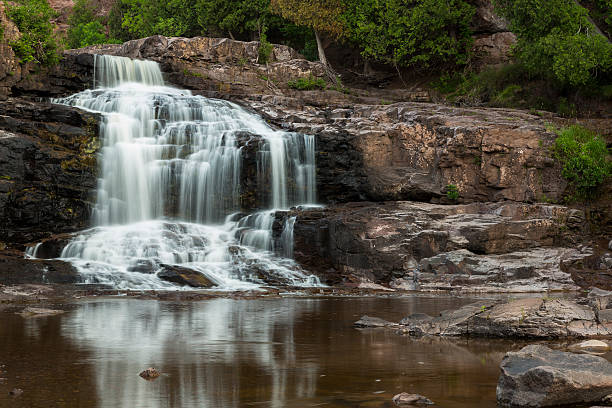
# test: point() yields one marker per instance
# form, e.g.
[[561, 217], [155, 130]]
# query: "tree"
[[37, 42], [242, 16], [172, 18], [556, 39], [85, 27], [323, 16], [406, 33]]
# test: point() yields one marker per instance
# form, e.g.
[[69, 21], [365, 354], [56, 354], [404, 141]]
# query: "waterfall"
[[169, 190]]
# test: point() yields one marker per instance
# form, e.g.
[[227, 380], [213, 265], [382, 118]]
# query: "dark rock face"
[[537, 376], [15, 270], [184, 276], [526, 318], [47, 169], [409, 151], [408, 245]]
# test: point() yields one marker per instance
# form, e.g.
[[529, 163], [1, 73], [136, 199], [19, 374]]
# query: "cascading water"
[[170, 185]]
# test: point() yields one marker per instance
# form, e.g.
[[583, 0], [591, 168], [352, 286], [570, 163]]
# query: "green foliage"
[[556, 39], [307, 83], [37, 42], [320, 15], [85, 27], [143, 18], [452, 192], [421, 34], [265, 50], [585, 160], [240, 16]]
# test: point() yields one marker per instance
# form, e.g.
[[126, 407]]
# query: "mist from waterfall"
[[170, 185]]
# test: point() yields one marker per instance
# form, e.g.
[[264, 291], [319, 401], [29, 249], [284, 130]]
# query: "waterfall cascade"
[[169, 191]]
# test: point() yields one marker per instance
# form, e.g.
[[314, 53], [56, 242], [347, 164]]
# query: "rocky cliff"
[[372, 156]]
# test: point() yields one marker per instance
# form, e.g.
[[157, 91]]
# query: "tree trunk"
[[332, 75]]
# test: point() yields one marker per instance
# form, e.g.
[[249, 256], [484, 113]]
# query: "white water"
[[170, 184]]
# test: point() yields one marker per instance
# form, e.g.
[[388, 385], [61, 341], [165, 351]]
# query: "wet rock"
[[38, 311], [527, 318], [371, 322], [184, 276], [48, 161], [420, 246], [143, 266], [15, 270], [150, 373], [405, 399], [537, 376], [15, 392]]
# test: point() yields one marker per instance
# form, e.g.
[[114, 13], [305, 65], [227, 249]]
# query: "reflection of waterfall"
[[208, 350], [170, 181]]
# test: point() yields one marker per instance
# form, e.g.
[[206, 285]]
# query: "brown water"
[[290, 352]]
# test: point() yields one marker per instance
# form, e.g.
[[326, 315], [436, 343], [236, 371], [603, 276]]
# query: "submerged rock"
[[405, 399], [367, 321], [592, 346], [537, 376], [39, 311], [150, 373], [184, 276]]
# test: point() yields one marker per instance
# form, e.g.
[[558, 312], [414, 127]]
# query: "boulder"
[[184, 276], [15, 270], [537, 376], [405, 399], [596, 346]]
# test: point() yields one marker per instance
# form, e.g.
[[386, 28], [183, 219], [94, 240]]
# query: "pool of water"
[[282, 352]]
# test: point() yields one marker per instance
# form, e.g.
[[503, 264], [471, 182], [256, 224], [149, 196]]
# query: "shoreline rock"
[[537, 376], [543, 318]]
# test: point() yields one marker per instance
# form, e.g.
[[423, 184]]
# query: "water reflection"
[[240, 353]]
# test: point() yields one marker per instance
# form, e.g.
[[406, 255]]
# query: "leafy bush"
[[452, 192], [37, 42], [585, 160], [307, 83]]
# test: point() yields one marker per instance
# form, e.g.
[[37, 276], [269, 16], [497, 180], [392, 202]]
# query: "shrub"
[[584, 157], [37, 42], [307, 83], [452, 192], [265, 49]]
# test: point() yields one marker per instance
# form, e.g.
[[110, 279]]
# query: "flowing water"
[[292, 352], [170, 186]]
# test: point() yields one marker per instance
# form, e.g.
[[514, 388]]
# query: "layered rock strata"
[[419, 246]]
